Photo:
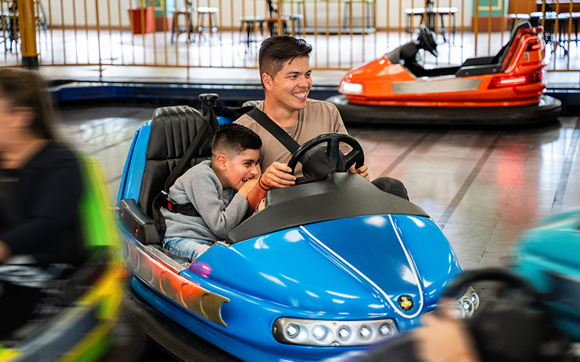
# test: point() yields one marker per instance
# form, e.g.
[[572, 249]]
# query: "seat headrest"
[[521, 24], [172, 129]]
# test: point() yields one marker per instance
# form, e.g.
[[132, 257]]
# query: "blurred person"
[[285, 75], [40, 191]]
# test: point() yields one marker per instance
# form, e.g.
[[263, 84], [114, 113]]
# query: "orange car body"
[[516, 79]]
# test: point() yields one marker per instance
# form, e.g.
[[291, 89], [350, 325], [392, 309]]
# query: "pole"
[[26, 22]]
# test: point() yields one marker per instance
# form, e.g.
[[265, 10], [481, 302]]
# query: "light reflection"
[[312, 294], [289, 279], [343, 295], [273, 279], [338, 301], [201, 268], [417, 221], [407, 275], [260, 244], [376, 306], [378, 221], [293, 236]]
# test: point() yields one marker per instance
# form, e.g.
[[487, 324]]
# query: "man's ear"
[[267, 81], [221, 161]]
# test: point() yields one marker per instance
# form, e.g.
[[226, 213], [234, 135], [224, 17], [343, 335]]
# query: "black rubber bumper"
[[547, 110], [178, 343]]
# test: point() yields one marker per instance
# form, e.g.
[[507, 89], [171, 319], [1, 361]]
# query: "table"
[[564, 6], [431, 14], [349, 5]]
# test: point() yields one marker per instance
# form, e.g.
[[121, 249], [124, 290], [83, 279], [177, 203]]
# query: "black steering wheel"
[[332, 140], [511, 328], [427, 40]]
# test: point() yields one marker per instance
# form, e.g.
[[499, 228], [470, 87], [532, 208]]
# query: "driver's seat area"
[[172, 130]]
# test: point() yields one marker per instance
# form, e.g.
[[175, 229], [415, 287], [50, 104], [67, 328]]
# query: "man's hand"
[[247, 186], [5, 252], [444, 338], [277, 175], [363, 171]]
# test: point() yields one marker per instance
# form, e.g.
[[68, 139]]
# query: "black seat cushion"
[[172, 130]]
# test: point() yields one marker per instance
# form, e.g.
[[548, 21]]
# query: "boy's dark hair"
[[276, 50], [231, 139]]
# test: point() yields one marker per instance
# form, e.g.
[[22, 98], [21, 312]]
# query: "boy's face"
[[291, 85], [241, 168]]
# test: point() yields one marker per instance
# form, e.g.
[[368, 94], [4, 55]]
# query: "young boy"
[[219, 190]]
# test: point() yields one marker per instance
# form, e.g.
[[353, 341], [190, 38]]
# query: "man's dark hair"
[[231, 139], [277, 50]]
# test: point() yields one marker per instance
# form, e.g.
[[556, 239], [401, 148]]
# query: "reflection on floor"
[[482, 186]]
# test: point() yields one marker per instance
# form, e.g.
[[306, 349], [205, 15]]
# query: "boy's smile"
[[243, 167]]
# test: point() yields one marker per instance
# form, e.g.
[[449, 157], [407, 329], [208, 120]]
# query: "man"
[[286, 78]]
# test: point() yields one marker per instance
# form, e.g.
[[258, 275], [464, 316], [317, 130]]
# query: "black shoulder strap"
[[202, 136], [276, 131]]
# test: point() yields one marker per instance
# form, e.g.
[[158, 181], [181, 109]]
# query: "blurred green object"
[[90, 298]]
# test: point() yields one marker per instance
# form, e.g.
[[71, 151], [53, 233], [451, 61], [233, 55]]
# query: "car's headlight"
[[350, 88], [311, 332], [468, 303]]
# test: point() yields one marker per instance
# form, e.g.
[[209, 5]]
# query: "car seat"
[[521, 24], [173, 129]]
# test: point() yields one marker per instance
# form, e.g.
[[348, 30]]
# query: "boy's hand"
[[277, 175], [363, 171]]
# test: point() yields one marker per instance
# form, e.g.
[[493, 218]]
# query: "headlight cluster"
[[467, 304], [350, 88], [311, 332]]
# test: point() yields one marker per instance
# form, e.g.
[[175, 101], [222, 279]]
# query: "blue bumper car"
[[532, 313], [327, 267]]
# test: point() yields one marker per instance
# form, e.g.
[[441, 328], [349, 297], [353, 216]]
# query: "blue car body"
[[317, 252], [547, 257]]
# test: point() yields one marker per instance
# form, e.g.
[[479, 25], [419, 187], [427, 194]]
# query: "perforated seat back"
[[172, 130]]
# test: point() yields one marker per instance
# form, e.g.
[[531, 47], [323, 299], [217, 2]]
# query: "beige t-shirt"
[[318, 117]]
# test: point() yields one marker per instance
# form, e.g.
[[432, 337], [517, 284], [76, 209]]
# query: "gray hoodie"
[[221, 210]]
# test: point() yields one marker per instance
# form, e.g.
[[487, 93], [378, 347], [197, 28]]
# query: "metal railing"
[[227, 33]]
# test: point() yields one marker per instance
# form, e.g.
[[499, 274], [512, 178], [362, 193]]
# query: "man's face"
[[242, 167], [291, 85]]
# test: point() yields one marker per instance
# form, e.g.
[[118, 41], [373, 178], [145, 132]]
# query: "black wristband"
[[262, 187]]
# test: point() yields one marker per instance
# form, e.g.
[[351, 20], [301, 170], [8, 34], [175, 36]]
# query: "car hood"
[[349, 268]]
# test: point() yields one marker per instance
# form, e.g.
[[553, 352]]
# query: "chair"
[[187, 15], [272, 21], [212, 26], [248, 26], [549, 22]]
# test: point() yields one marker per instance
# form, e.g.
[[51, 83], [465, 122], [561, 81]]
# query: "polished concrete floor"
[[483, 186]]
